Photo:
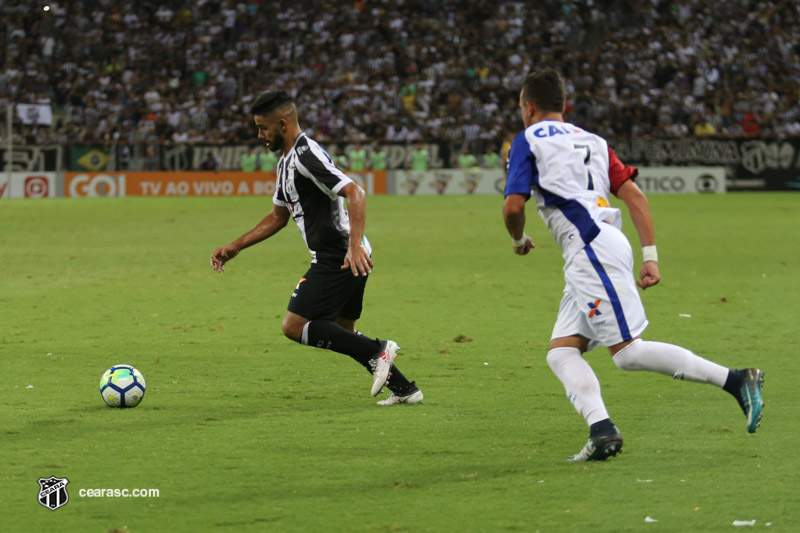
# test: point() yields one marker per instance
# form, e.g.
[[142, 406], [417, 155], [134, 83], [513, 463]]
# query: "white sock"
[[580, 383], [671, 360]]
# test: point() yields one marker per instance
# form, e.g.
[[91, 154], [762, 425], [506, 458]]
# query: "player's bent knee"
[[292, 329], [627, 356], [553, 358]]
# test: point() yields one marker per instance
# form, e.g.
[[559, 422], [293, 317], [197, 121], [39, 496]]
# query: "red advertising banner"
[[90, 184], [234, 183]]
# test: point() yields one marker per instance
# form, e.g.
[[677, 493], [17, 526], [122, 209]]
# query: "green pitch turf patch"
[[243, 430]]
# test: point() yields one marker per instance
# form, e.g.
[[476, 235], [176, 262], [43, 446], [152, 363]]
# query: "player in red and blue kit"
[[570, 174]]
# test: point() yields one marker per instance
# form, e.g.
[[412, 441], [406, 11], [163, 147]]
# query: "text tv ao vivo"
[[91, 184], [234, 183]]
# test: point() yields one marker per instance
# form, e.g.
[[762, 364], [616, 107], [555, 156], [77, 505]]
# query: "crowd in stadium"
[[178, 71]]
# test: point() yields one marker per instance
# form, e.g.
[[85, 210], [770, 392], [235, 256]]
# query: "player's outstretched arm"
[[635, 199], [514, 217], [357, 259], [269, 226]]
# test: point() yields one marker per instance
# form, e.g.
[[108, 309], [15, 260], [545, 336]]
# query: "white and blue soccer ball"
[[122, 386]]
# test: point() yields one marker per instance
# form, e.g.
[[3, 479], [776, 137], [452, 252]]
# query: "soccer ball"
[[122, 386]]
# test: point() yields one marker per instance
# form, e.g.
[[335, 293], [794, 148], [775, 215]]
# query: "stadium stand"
[[145, 72]]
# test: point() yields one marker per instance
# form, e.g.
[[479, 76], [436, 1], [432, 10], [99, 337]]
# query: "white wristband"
[[649, 253], [521, 241]]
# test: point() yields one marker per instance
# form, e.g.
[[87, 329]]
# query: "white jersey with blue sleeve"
[[570, 172]]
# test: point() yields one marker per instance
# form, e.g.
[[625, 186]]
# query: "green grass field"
[[243, 430]]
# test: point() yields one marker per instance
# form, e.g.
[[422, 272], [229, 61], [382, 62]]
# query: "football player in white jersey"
[[570, 173]]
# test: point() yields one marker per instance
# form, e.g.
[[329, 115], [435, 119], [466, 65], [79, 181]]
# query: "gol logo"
[[96, 185]]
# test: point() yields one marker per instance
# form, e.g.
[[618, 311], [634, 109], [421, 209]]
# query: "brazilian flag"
[[89, 158]]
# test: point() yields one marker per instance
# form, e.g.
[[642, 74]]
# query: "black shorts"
[[326, 292]]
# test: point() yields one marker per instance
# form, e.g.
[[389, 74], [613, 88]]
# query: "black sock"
[[398, 383], [604, 427], [734, 385], [329, 335]]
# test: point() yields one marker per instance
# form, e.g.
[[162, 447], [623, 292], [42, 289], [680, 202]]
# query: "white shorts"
[[601, 300]]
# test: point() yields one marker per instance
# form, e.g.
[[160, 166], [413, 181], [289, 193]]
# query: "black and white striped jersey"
[[307, 185]]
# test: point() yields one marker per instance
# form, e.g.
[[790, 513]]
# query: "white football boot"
[[413, 397], [381, 364]]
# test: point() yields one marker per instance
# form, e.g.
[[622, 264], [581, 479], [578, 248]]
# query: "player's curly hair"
[[545, 90], [270, 100]]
